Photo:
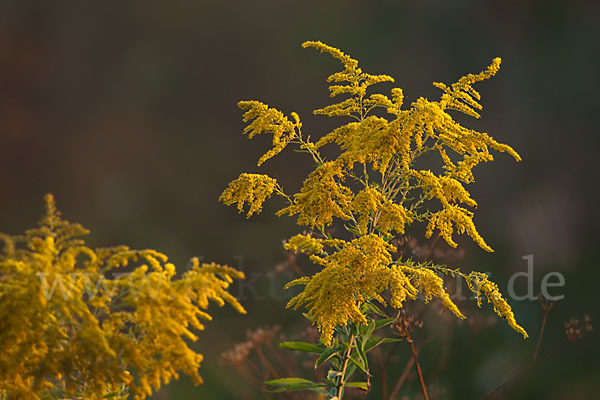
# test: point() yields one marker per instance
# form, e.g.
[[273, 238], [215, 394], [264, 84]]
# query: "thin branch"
[[340, 384], [523, 371], [266, 362], [415, 356], [382, 370], [546, 306], [431, 247], [402, 378]]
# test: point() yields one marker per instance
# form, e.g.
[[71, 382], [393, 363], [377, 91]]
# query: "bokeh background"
[[126, 111]]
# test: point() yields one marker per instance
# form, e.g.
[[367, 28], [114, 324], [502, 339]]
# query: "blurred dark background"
[[126, 111]]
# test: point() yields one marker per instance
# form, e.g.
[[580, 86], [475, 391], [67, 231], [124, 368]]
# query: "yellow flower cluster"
[[384, 215], [400, 286], [461, 218], [269, 120], [461, 96], [449, 192], [355, 82], [253, 189], [431, 285], [480, 284], [355, 273], [75, 324], [322, 198], [305, 244], [374, 187], [360, 270]]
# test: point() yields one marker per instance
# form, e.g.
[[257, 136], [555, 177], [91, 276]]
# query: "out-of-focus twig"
[[574, 330], [404, 328], [546, 306]]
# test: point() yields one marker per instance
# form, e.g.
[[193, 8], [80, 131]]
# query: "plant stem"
[[340, 384], [266, 362], [431, 247], [402, 378], [546, 306], [413, 350], [415, 356], [539, 341], [382, 371]]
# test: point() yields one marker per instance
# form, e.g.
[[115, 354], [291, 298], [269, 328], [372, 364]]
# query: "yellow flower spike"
[[322, 197], [431, 285], [356, 85], [354, 273], [348, 62], [305, 243], [170, 270], [253, 189], [392, 218], [457, 216], [366, 204], [400, 287], [329, 296], [461, 96], [480, 284], [269, 120], [372, 207]]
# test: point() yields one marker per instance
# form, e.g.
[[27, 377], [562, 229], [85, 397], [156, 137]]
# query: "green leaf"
[[326, 355], [380, 323], [287, 381], [373, 308], [361, 385], [301, 346], [285, 384], [112, 395], [358, 361], [390, 340], [374, 342], [352, 230], [370, 329], [363, 356], [350, 371], [336, 363], [332, 375]]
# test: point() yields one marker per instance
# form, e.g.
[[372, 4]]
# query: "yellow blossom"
[[480, 284], [451, 216], [269, 120], [305, 243], [366, 204], [356, 83], [431, 285], [322, 197], [253, 189], [400, 287], [355, 273], [371, 207], [329, 297]]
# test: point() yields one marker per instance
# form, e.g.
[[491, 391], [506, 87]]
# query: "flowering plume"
[[74, 324], [374, 187]]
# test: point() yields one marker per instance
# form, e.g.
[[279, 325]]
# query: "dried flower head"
[[576, 329]]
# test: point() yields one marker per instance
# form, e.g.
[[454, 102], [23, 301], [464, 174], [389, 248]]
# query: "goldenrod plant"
[[77, 323], [375, 188]]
